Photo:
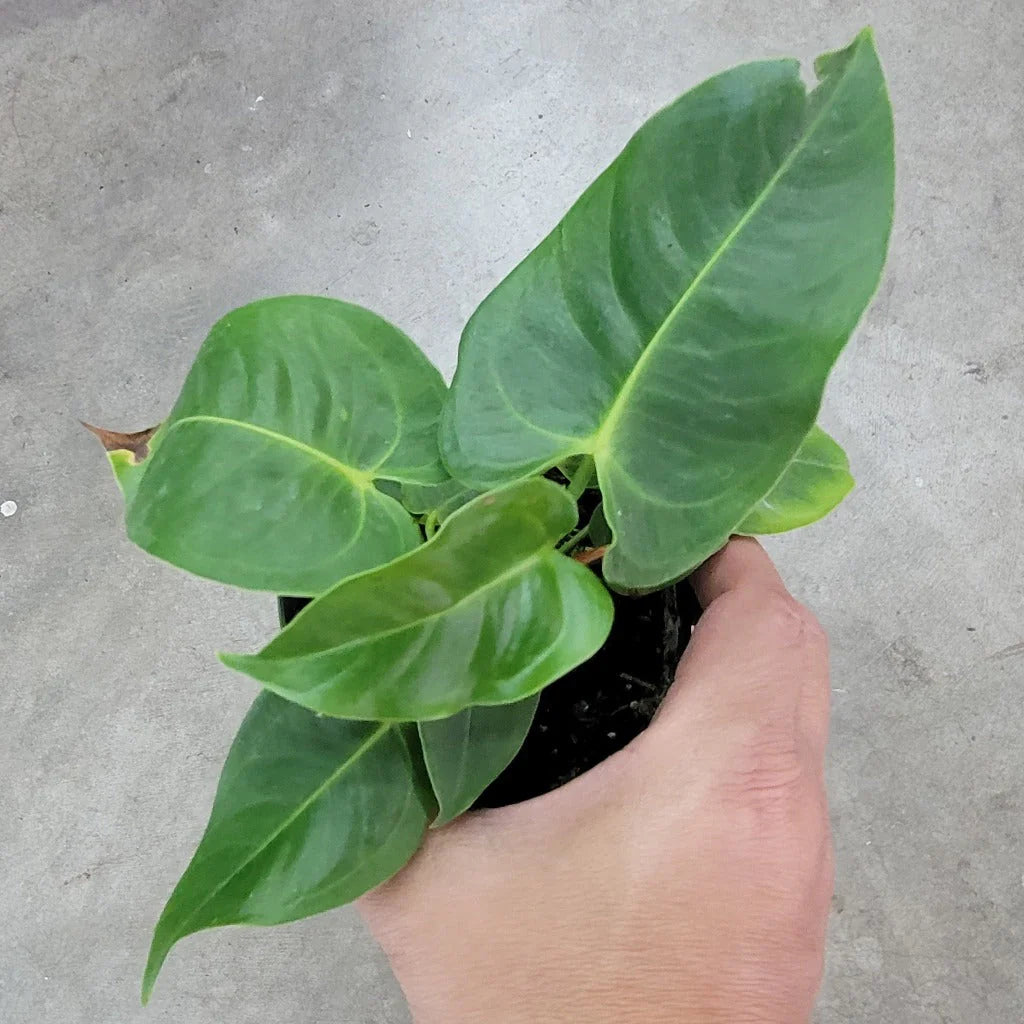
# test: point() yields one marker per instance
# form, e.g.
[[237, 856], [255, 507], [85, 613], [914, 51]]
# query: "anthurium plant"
[[664, 350]]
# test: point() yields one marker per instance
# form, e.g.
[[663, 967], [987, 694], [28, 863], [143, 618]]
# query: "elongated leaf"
[[465, 753], [680, 323], [813, 484], [263, 475], [484, 613], [310, 813]]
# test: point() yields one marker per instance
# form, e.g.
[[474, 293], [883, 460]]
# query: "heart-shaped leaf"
[[487, 612], [680, 323], [465, 753], [263, 475], [310, 813], [813, 484]]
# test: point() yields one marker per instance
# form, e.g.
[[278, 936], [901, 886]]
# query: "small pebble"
[[8, 508]]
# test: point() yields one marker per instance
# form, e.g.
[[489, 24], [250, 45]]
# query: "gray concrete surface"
[[161, 162]]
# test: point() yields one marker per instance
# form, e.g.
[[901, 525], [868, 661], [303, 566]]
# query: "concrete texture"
[[162, 162]]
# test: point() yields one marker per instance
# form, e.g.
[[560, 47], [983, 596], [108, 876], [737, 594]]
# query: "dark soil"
[[595, 710], [289, 607], [607, 701]]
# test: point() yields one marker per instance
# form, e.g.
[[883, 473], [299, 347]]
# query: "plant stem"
[[432, 524], [581, 478], [574, 538], [591, 555]]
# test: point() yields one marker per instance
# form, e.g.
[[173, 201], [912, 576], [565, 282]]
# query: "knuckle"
[[791, 623]]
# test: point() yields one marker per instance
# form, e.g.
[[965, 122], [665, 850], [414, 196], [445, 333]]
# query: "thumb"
[[757, 660]]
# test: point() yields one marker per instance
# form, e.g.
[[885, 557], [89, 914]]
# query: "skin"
[[685, 879]]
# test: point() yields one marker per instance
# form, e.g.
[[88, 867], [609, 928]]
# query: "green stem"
[[432, 524], [573, 539], [580, 480]]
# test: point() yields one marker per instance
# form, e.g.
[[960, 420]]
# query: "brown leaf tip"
[[137, 444]]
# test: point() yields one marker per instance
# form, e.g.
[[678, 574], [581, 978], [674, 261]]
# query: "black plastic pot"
[[600, 706]]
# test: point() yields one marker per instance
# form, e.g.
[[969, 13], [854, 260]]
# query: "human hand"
[[686, 879]]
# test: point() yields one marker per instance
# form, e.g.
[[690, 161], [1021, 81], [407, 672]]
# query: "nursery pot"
[[602, 704]]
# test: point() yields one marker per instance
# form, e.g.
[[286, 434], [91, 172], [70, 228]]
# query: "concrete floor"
[[162, 162]]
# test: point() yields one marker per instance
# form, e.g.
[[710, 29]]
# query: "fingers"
[[757, 664], [741, 563]]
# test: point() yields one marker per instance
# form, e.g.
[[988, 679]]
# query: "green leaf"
[[680, 323], [465, 753], [814, 483], [599, 532], [310, 813], [263, 475], [484, 613], [447, 496]]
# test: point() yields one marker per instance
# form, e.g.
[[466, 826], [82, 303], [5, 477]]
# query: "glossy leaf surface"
[[465, 753], [813, 484], [310, 813], [263, 475], [484, 613], [681, 321]]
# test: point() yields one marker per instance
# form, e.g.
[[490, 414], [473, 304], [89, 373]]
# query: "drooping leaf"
[[310, 813], [487, 612], [680, 322], [465, 753], [813, 484], [263, 475]]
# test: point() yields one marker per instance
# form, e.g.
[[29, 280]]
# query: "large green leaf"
[[813, 484], [465, 753], [487, 612], [310, 813], [679, 324], [263, 475]]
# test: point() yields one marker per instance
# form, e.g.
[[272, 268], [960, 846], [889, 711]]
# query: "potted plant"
[[643, 385]]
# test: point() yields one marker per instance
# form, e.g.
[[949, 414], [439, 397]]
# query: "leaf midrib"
[[303, 806], [602, 437], [517, 570], [361, 478]]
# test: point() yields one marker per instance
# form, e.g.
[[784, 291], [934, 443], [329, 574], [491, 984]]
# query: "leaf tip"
[[136, 444], [233, 661], [157, 955], [835, 61], [252, 665]]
